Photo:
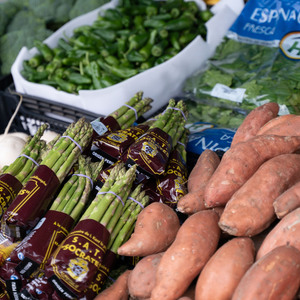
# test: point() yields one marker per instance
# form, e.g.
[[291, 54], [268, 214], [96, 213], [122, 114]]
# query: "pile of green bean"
[[122, 42]]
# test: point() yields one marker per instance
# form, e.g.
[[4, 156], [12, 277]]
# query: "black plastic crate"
[[35, 111], [5, 81]]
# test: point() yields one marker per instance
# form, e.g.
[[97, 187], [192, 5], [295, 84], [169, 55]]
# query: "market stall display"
[[130, 197]]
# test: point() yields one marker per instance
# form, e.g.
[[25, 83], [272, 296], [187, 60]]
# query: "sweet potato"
[[142, 278], [118, 290], [198, 178], [225, 269], [155, 229], [288, 201], [250, 210], [241, 161], [274, 276], [285, 232], [254, 121], [196, 241], [285, 125]]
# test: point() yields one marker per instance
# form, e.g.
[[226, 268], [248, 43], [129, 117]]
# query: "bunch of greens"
[[222, 116], [265, 74]]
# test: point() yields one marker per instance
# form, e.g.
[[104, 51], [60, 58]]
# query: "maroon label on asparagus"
[[30, 204], [75, 263], [38, 288], [11, 279], [151, 151], [104, 124], [9, 188], [4, 295], [97, 284], [34, 251], [172, 185], [115, 143]]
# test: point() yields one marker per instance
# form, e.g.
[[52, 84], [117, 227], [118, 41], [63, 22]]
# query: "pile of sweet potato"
[[241, 236]]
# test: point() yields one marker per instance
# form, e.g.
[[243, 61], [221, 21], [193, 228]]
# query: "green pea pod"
[[53, 65], [205, 15], [162, 59], [175, 12], [34, 76], [181, 23], [137, 41], [119, 71], [82, 30], [126, 21], [108, 35], [44, 49], [112, 14], [48, 82], [186, 37], [138, 22], [108, 80], [57, 73], [192, 7], [146, 50], [36, 60], [151, 10], [163, 33], [158, 49], [134, 10], [77, 78], [147, 64], [124, 33], [152, 23], [112, 60], [174, 40], [70, 61], [135, 56], [65, 85], [165, 17], [85, 42], [108, 24], [121, 46], [96, 74]]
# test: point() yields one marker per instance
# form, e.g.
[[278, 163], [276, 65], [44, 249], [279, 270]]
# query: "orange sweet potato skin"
[[196, 241], [225, 269], [254, 121], [274, 276], [155, 229], [118, 290], [250, 210], [241, 161], [288, 201], [142, 278], [198, 178], [285, 125], [285, 232]]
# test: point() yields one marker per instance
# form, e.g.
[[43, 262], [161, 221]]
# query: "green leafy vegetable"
[[264, 73]]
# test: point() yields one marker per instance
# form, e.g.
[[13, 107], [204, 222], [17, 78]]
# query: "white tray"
[[160, 83]]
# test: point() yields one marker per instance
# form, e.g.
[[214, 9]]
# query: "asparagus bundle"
[[124, 116], [151, 151], [14, 176], [120, 234], [35, 197], [33, 252], [172, 184], [72, 267]]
